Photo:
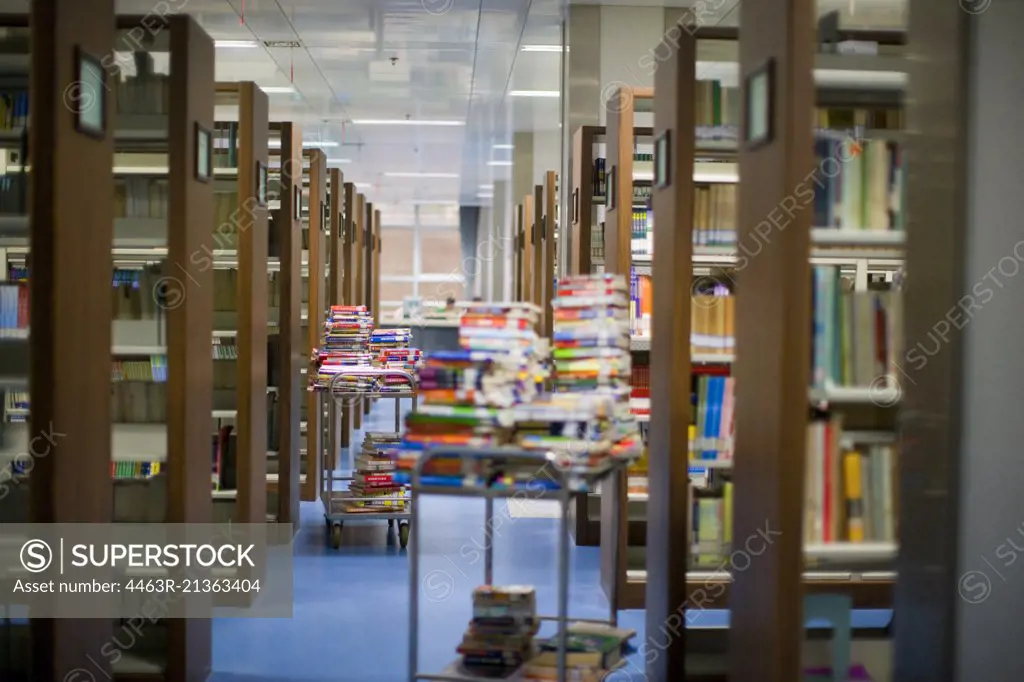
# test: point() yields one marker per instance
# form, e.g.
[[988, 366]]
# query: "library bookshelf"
[[347, 233], [321, 222], [772, 467], [241, 308], [549, 247], [285, 200], [77, 223]]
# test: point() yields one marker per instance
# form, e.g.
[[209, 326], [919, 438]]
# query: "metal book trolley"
[[547, 476], [338, 504]]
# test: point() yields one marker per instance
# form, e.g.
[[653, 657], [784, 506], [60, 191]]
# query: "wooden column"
[[582, 201], [358, 281], [348, 237], [347, 284], [376, 267], [290, 395], [773, 350], [537, 295], [335, 294], [550, 229], [517, 271], [367, 256], [619, 174], [318, 175], [190, 325], [528, 248], [668, 476], [72, 219], [252, 307]]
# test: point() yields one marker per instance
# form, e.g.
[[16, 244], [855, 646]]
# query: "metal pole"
[[613, 596], [414, 565], [489, 539], [563, 583]]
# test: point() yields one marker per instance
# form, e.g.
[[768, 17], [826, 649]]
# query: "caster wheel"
[[403, 534], [336, 536], [391, 523]]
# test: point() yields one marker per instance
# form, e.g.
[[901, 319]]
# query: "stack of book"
[[593, 651], [500, 636], [862, 185], [715, 424], [858, 336], [14, 310], [850, 493], [346, 344], [591, 335], [373, 487], [466, 395], [392, 351], [135, 469]]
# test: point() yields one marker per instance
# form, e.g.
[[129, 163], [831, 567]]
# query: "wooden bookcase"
[[321, 208], [518, 274], [376, 267], [772, 415], [347, 235], [70, 220], [252, 310], [284, 485], [549, 240], [529, 247]]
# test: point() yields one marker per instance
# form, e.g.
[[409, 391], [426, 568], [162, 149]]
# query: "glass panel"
[[440, 252], [398, 251]]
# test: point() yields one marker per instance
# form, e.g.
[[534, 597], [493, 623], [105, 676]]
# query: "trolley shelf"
[[570, 481], [335, 502]]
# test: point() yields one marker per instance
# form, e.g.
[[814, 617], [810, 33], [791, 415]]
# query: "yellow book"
[[727, 514], [854, 497]]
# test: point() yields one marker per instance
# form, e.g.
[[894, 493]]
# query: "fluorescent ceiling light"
[[422, 175], [404, 122], [484, 195], [363, 185], [543, 48], [487, 188], [504, 146], [278, 89], [499, 163], [235, 43], [534, 93], [330, 161], [323, 144], [433, 202]]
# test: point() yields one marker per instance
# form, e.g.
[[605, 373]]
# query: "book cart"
[[337, 503], [803, 576], [488, 467]]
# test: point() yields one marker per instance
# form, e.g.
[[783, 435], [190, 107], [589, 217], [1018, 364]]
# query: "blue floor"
[[351, 611]]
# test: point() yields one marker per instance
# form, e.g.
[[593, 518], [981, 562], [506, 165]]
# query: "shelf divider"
[[318, 187], [772, 374], [550, 200], [348, 232], [253, 132], [289, 239], [668, 473], [71, 227]]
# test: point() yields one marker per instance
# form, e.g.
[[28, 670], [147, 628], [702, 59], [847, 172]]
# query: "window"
[[421, 254]]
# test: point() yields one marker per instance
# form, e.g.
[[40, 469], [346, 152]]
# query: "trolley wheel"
[[391, 523], [336, 536], [403, 534]]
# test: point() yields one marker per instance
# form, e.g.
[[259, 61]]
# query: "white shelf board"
[[139, 442], [224, 494], [276, 478], [712, 359], [882, 396], [710, 463], [122, 351], [823, 236], [852, 551], [225, 414], [719, 173]]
